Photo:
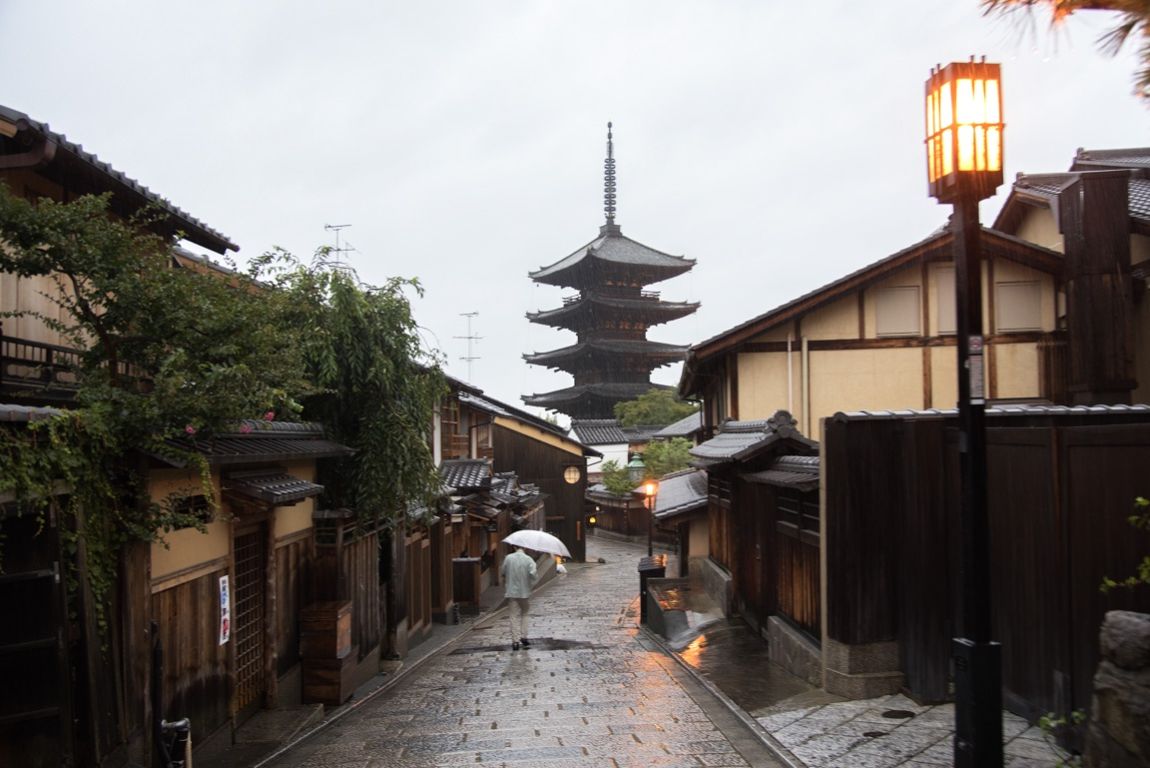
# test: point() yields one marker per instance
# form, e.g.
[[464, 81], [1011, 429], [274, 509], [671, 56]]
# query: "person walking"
[[518, 573]]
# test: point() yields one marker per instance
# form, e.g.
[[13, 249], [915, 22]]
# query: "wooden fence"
[[1061, 486]]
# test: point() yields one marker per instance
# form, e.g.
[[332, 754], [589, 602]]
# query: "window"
[[947, 313], [572, 474], [1018, 307], [897, 311]]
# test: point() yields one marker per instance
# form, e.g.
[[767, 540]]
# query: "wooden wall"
[[1060, 491], [540, 464], [195, 679]]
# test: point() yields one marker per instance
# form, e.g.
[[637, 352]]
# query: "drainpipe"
[[790, 377], [805, 384]]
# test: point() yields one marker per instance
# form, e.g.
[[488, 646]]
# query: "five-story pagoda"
[[611, 358]]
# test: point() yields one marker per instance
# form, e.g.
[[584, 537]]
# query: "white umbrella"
[[540, 541]]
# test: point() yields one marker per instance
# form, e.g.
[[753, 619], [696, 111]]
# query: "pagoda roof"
[[668, 353], [591, 394], [590, 302], [615, 252]]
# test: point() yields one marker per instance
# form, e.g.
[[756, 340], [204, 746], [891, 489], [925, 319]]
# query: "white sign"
[[225, 610]]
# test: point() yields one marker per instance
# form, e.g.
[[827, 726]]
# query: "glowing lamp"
[[964, 130]]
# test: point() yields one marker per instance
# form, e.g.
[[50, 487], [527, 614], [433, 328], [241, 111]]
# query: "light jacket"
[[518, 574]]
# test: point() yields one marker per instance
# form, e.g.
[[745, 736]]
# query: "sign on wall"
[[225, 611]]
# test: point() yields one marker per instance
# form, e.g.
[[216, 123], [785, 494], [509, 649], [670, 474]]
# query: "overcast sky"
[[778, 144]]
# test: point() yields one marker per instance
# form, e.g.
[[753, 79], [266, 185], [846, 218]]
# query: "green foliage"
[[375, 387], [170, 350], [663, 457], [655, 408], [617, 478], [1141, 521], [1133, 22], [1053, 727]]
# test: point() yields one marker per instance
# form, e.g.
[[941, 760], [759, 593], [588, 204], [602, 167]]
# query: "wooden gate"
[[796, 560], [248, 619]]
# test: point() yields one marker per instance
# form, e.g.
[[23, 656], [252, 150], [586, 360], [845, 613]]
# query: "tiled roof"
[[1093, 159], [262, 441], [623, 347], [1046, 187], [466, 474], [496, 408], [275, 487], [598, 431], [738, 440], [193, 228], [612, 247], [611, 392], [590, 302], [1001, 410], [798, 472], [684, 427], [640, 434], [680, 493]]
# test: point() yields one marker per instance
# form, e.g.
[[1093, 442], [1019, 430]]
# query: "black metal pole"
[[977, 660], [650, 517]]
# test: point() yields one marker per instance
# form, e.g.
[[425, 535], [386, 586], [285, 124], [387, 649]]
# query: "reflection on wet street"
[[730, 655]]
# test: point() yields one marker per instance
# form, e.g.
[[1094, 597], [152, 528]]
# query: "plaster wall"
[[763, 384], [838, 320], [1040, 228], [778, 333], [186, 548], [864, 379], [1015, 370], [296, 518], [944, 377], [699, 538]]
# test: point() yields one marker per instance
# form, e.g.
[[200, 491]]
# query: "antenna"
[[337, 252], [470, 338]]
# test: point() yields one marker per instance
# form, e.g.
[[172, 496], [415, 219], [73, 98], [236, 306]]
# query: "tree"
[[655, 408], [663, 457], [376, 388], [617, 478], [1134, 21], [164, 351]]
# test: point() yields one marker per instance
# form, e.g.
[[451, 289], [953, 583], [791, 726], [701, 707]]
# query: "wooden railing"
[[36, 364]]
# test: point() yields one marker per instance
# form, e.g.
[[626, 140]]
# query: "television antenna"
[[337, 252], [469, 357]]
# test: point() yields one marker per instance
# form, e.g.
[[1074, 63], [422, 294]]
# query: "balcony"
[[38, 370]]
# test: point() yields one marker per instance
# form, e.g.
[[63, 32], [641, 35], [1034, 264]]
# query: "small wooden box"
[[325, 630], [329, 681]]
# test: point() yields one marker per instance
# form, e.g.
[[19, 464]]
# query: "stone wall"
[[1119, 732]]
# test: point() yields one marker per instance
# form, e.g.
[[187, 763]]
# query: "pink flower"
[[190, 429], [245, 428], [269, 415]]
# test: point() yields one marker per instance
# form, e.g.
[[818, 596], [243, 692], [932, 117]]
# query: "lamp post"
[[650, 489], [964, 132]]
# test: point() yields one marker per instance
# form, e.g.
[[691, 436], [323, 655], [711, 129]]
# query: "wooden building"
[[611, 359], [473, 425]]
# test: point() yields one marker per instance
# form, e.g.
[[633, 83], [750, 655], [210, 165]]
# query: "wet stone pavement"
[[592, 690]]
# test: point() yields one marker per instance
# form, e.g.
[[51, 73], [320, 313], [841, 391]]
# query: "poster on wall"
[[225, 611]]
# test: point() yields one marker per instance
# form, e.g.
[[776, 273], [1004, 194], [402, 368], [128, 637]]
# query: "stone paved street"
[[591, 691]]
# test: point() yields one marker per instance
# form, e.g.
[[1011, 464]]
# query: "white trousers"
[[518, 608]]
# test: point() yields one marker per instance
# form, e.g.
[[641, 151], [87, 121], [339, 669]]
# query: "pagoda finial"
[[609, 180]]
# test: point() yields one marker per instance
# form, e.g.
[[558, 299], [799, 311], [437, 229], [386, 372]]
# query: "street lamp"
[[650, 489], [636, 469], [964, 138]]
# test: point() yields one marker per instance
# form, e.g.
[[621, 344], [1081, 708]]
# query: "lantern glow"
[[964, 129]]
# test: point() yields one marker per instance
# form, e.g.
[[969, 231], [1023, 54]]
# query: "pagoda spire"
[[609, 181]]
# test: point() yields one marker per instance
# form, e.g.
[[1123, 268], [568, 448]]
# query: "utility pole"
[[470, 338]]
